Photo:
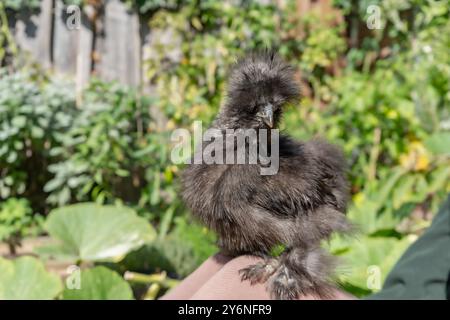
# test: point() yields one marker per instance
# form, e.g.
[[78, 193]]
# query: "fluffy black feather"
[[301, 205]]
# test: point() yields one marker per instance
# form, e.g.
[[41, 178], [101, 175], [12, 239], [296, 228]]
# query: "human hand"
[[218, 279]]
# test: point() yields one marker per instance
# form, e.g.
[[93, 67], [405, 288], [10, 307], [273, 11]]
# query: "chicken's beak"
[[267, 115]]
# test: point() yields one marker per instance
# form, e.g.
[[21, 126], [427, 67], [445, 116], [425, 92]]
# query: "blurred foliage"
[[382, 94], [21, 4], [31, 117], [17, 221], [107, 142], [178, 253], [193, 48]]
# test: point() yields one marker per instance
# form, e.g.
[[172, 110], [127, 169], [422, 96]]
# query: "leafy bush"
[[21, 4], [31, 117], [189, 66], [17, 222], [106, 150]]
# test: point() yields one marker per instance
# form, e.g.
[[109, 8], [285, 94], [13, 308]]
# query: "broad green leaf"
[[367, 211], [440, 179], [155, 190], [92, 232], [369, 220], [37, 132], [402, 192], [439, 143], [19, 121], [99, 283], [26, 279], [368, 253], [166, 222], [53, 184]]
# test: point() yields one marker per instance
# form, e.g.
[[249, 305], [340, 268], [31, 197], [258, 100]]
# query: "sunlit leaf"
[[26, 279], [439, 143], [99, 283], [91, 232]]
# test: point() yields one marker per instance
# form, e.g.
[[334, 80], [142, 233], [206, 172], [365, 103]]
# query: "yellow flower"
[[358, 198], [422, 162], [170, 125], [392, 114], [417, 157], [195, 111]]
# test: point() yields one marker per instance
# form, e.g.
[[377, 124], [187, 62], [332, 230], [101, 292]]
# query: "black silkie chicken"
[[294, 209]]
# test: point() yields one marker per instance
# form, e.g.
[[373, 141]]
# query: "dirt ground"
[[27, 248]]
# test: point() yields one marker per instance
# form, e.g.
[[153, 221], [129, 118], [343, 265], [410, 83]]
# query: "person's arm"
[[192, 283], [424, 269], [218, 279]]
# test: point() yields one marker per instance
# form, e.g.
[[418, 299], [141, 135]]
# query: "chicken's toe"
[[259, 272]]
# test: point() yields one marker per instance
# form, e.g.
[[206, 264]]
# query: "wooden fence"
[[80, 43], [109, 42]]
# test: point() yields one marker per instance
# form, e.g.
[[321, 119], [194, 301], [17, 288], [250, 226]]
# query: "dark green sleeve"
[[424, 269]]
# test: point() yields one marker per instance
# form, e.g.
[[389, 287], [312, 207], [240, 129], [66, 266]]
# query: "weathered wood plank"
[[84, 53], [72, 45], [119, 45], [33, 32], [65, 44]]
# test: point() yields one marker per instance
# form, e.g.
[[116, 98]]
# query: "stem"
[[158, 278], [152, 292], [374, 154], [12, 248]]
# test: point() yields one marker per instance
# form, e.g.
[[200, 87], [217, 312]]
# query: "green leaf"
[[26, 279], [53, 184], [440, 179], [19, 121], [166, 222], [367, 253], [37, 132], [368, 220], [277, 250], [402, 192], [99, 283], [92, 232], [439, 143], [154, 199]]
